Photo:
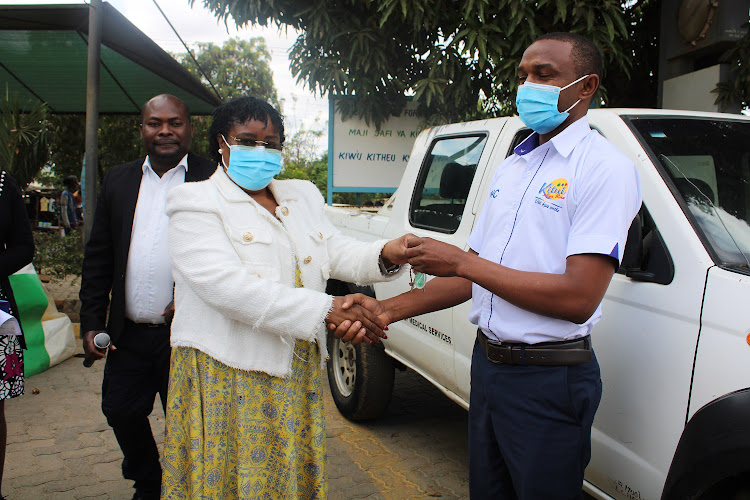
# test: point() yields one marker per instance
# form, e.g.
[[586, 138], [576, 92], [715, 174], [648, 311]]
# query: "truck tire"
[[712, 460], [360, 377]]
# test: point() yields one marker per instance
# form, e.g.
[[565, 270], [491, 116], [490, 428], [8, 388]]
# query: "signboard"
[[366, 159]]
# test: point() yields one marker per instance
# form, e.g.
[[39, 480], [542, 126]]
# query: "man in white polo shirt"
[[545, 247]]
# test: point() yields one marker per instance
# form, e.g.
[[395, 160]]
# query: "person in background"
[[127, 257], [251, 257], [16, 251], [68, 217]]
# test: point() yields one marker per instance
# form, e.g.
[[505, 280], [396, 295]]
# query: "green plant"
[[737, 88], [24, 145], [58, 256]]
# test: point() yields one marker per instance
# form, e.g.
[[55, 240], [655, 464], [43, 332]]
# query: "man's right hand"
[[90, 350], [355, 323], [347, 330]]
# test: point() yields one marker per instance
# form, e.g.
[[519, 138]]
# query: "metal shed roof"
[[43, 56]]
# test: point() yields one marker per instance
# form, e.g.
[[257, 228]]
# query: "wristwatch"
[[386, 271]]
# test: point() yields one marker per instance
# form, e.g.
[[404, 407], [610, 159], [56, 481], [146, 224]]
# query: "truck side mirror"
[[646, 257], [632, 257]]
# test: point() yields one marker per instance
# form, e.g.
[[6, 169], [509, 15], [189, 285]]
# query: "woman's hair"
[[241, 110]]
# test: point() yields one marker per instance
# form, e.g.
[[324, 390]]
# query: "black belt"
[[564, 353], [146, 325]]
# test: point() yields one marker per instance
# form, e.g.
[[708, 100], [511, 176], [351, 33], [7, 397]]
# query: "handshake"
[[356, 318]]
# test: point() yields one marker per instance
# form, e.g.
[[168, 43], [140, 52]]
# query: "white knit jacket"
[[234, 273]]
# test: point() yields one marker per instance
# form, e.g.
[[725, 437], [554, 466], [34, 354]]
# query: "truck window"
[[444, 182], [707, 163]]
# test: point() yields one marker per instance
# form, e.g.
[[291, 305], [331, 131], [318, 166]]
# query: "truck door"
[[440, 208], [465, 334], [646, 339]]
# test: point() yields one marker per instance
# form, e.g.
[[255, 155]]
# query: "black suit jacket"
[[16, 241], [106, 256]]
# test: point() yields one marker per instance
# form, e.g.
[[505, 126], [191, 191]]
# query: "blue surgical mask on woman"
[[252, 167], [537, 106]]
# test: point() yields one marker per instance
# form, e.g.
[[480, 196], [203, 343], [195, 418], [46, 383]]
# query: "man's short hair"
[[170, 97], [587, 57], [70, 181]]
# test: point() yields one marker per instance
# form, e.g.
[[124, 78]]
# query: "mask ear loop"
[[571, 83], [568, 85], [221, 153]]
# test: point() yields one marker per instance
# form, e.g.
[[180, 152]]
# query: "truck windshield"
[[709, 162]]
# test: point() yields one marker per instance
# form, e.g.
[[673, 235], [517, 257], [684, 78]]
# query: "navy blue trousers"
[[530, 428]]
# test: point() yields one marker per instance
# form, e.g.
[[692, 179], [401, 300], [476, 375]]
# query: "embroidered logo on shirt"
[[555, 190], [494, 193]]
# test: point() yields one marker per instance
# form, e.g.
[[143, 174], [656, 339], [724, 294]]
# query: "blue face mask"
[[252, 167], [537, 106]]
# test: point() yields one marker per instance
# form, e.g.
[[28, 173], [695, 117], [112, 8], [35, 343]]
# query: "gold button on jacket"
[[285, 211], [247, 236], [307, 260]]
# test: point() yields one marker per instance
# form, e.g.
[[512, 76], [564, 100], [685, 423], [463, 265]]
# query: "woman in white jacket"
[[251, 256]]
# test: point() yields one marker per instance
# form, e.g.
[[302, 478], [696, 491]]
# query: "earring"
[[220, 151]]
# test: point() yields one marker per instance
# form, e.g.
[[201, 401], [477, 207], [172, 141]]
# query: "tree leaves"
[[737, 89], [457, 59], [237, 68], [24, 148]]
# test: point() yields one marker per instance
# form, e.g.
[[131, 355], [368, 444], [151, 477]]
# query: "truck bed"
[[363, 223]]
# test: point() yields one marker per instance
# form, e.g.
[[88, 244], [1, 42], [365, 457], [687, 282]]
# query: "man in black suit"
[[126, 256]]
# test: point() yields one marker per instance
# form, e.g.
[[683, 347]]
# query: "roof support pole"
[[92, 114]]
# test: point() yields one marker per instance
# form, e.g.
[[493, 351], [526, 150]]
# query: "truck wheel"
[[732, 488], [360, 377]]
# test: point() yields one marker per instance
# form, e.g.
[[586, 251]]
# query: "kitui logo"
[[555, 190], [494, 193]]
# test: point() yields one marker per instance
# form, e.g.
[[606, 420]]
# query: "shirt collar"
[[147, 164], [569, 138], [564, 142], [528, 145]]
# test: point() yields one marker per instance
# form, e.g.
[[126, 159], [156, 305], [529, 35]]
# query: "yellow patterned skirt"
[[238, 434]]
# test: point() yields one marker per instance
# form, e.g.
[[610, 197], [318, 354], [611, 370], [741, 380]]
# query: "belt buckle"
[[498, 352]]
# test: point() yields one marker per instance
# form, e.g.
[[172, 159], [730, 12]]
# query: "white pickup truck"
[[674, 420]]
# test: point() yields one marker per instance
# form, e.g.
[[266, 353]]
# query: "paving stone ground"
[[60, 446]]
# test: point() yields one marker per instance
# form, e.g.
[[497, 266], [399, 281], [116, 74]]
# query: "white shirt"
[[148, 279], [574, 194]]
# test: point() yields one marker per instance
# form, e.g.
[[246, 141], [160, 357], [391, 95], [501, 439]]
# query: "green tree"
[[637, 87], [737, 89], [301, 159], [236, 68], [119, 141], [458, 58], [301, 150], [24, 147]]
